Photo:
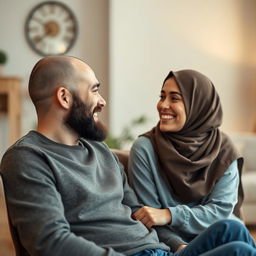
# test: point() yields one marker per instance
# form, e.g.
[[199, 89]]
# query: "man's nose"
[[101, 101]]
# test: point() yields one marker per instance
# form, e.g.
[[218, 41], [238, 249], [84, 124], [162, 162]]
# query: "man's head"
[[68, 86]]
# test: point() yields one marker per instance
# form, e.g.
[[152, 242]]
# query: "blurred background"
[[132, 45]]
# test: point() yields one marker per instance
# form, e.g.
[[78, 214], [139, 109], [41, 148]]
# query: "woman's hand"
[[153, 217], [181, 247]]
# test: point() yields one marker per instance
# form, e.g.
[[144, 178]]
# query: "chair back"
[[19, 249]]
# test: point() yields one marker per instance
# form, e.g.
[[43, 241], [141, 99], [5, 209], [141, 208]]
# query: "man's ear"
[[64, 97]]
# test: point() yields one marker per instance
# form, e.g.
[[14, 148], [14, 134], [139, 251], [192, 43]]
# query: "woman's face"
[[171, 107]]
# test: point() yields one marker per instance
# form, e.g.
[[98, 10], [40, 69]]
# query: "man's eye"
[[161, 97]]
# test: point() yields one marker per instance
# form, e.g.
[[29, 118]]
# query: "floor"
[[6, 246]]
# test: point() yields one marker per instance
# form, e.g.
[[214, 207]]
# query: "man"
[[67, 193]]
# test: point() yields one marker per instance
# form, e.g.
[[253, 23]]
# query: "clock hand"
[[52, 28], [38, 39], [38, 20], [47, 32]]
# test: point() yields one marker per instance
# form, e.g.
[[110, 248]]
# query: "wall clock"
[[51, 28]]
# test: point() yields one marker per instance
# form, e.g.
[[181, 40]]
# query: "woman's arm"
[[218, 205], [190, 219], [141, 178], [141, 171]]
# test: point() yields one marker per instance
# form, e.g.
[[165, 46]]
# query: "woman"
[[185, 170]]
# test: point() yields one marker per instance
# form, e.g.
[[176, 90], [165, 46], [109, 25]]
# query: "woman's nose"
[[165, 104]]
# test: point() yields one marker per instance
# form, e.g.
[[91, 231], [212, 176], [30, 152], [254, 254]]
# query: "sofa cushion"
[[246, 145], [249, 185], [123, 156], [249, 152]]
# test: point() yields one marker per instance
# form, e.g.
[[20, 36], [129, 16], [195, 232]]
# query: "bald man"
[[59, 88], [67, 193]]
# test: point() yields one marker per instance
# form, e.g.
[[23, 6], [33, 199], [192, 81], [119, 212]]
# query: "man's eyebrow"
[[96, 86]]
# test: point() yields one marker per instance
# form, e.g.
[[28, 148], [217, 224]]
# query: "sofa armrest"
[[123, 156]]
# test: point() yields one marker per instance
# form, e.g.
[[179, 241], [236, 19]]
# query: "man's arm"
[[130, 198]]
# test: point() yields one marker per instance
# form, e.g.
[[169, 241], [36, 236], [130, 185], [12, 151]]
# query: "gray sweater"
[[72, 200]]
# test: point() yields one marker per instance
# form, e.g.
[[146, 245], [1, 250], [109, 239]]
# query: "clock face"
[[51, 28]]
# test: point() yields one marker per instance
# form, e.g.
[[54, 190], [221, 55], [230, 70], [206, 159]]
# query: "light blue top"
[[190, 219]]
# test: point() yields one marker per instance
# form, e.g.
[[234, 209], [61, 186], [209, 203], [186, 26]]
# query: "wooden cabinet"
[[10, 105]]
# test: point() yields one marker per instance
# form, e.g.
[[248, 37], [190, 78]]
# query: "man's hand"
[[153, 217]]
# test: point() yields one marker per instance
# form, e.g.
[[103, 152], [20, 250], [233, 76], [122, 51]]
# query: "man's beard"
[[80, 120]]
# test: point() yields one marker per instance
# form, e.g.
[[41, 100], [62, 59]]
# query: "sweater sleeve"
[[142, 181], [129, 198], [218, 205], [36, 209]]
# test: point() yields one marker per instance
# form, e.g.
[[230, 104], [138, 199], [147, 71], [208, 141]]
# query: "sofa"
[[246, 145]]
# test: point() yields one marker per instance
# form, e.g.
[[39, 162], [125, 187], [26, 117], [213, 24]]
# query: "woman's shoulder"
[[143, 147], [142, 142], [143, 151]]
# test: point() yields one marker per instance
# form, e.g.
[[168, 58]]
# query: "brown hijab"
[[194, 158]]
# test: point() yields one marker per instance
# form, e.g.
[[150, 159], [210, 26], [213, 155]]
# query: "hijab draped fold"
[[193, 159]]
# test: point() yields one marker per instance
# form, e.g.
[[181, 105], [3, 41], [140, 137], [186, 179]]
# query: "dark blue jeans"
[[224, 238]]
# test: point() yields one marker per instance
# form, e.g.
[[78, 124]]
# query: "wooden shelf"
[[10, 105]]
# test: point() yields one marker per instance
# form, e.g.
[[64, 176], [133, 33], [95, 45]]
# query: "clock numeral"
[[38, 39], [68, 18], [70, 29], [32, 29], [61, 12], [52, 8], [38, 20], [43, 11], [67, 39], [42, 45]]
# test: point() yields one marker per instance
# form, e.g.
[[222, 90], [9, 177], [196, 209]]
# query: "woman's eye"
[[175, 99], [161, 97]]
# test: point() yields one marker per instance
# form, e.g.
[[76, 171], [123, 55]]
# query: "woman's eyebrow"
[[172, 92], [175, 93]]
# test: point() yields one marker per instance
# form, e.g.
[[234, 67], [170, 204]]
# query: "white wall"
[[91, 45], [148, 38]]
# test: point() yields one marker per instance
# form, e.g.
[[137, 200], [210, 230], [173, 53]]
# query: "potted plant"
[[126, 136], [3, 60]]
